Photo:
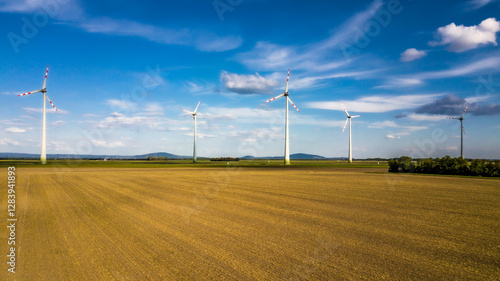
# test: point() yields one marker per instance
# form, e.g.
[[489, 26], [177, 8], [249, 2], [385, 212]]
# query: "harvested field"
[[251, 224]]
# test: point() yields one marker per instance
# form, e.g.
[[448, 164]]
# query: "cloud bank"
[[454, 106]]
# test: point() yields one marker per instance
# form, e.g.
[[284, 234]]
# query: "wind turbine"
[[285, 94], [43, 155], [349, 120], [194, 118], [461, 118]]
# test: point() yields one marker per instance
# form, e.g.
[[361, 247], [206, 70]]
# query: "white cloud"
[[203, 41], [58, 123], [7, 141], [103, 143], [201, 135], [179, 129], [270, 116], [397, 83], [261, 135], [306, 82], [121, 104], [217, 117], [376, 104], [48, 110], [415, 128], [152, 109], [61, 10], [70, 12], [412, 54], [477, 99], [117, 114], [425, 117], [20, 5], [492, 62], [383, 124], [258, 84], [477, 4], [15, 130], [119, 120], [451, 148], [205, 88], [354, 28], [270, 56], [463, 38], [392, 137], [247, 84], [243, 114], [60, 147]]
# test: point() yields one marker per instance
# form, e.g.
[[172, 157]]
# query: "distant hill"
[[162, 154], [305, 156], [5, 155]]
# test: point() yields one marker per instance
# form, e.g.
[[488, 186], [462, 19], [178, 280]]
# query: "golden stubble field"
[[251, 224]]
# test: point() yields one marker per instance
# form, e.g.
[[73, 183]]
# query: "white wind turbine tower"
[[285, 94], [194, 118], [43, 155], [461, 118], [349, 120]]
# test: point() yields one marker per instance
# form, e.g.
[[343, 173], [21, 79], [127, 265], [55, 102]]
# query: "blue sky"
[[122, 72]]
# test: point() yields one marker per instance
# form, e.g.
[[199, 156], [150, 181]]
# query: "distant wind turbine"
[[43, 154], [285, 94], [349, 120], [194, 118], [461, 118]]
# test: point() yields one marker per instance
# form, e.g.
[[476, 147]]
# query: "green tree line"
[[224, 159], [445, 166]]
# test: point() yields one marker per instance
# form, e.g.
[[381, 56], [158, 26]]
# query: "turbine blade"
[[51, 103], [196, 107], [187, 111], [29, 93], [345, 124], [275, 98], [293, 104], [45, 79], [354, 116], [287, 78], [451, 118], [464, 111], [347, 113]]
